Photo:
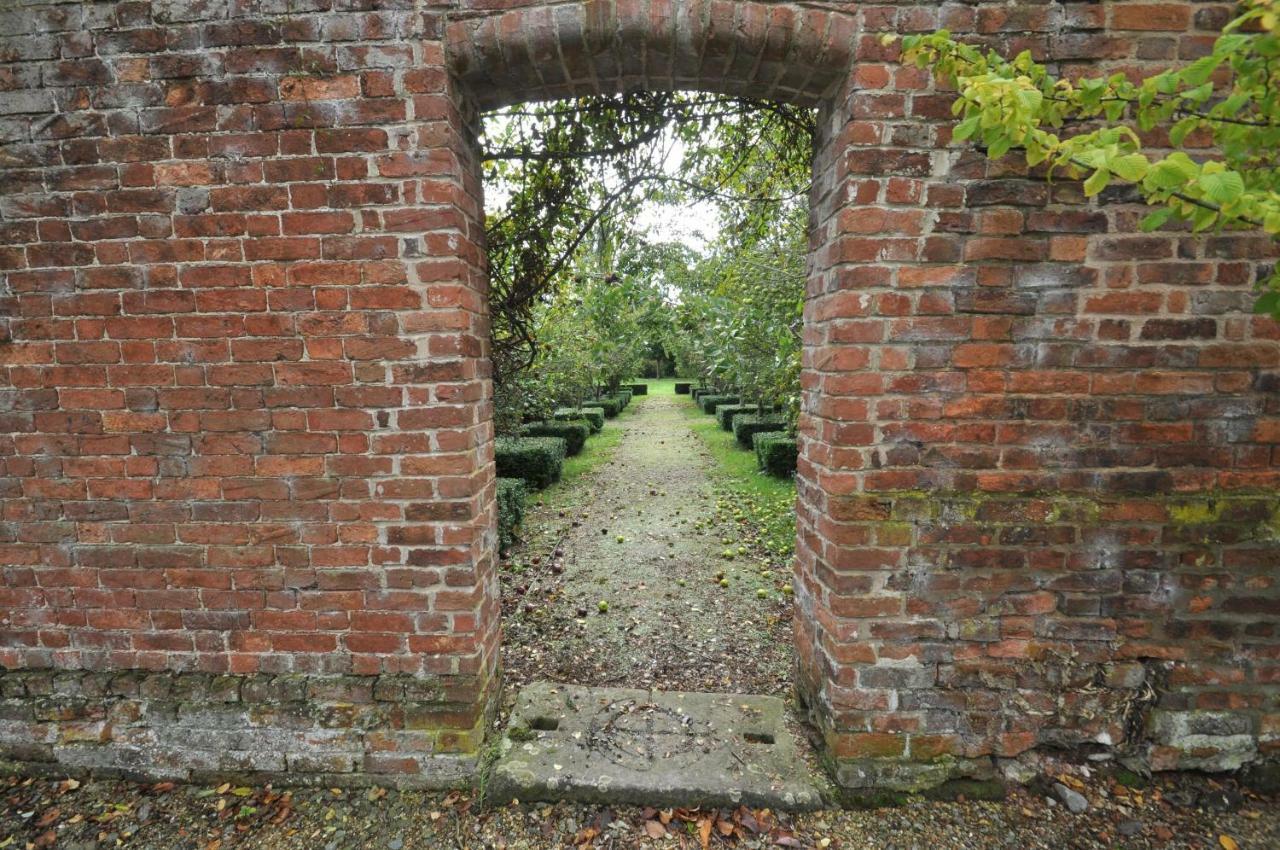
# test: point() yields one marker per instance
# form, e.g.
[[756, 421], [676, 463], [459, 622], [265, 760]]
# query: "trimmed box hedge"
[[610, 405], [574, 432], [683, 387], [699, 392], [637, 389], [776, 452], [593, 416], [536, 460], [709, 402], [725, 413], [511, 493], [747, 425]]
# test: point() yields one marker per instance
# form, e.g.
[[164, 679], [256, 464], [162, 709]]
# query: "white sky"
[[694, 225]]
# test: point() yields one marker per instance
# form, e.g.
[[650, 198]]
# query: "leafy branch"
[[1226, 99]]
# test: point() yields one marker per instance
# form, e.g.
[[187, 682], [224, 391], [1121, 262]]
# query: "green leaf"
[[1223, 188], [1180, 130], [1132, 167], [965, 128], [1268, 302], [1155, 220], [1096, 182], [1200, 94]]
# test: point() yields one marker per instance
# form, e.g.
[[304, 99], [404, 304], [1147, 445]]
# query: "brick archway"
[[247, 473], [542, 51]]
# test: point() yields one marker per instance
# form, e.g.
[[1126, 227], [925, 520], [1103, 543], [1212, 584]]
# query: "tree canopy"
[[581, 296]]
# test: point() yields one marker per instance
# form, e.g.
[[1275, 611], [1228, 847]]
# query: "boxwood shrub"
[[747, 425], [574, 432], [593, 416], [725, 413], [683, 387], [625, 395], [776, 452], [536, 460], [611, 405], [511, 493], [709, 401], [637, 389]]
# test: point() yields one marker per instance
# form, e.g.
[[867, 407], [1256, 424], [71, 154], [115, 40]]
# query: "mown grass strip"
[[763, 506]]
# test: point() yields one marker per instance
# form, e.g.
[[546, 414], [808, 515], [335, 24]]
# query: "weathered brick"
[[1029, 433]]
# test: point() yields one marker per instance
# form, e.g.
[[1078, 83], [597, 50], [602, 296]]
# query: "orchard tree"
[[739, 313], [1232, 94], [563, 169]]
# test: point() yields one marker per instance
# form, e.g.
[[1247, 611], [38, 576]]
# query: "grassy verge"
[[762, 506], [597, 451], [660, 386], [599, 448]]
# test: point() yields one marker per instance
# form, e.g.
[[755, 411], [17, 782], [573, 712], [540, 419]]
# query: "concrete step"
[[621, 745]]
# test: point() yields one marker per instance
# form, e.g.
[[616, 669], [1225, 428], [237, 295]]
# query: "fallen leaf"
[[1070, 781], [654, 829], [46, 839], [49, 817], [1228, 843], [223, 788], [704, 832]]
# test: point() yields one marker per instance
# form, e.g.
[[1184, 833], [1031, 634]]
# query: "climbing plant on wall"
[[1226, 101], [566, 169]]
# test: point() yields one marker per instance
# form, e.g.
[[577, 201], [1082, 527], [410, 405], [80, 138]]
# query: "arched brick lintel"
[[765, 50]]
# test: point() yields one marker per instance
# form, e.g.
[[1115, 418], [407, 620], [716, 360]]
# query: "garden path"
[[623, 578]]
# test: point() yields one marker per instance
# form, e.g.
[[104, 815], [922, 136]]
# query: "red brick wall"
[[246, 412]]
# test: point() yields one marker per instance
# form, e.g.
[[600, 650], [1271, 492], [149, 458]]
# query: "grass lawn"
[[745, 494], [599, 448], [734, 463], [659, 386]]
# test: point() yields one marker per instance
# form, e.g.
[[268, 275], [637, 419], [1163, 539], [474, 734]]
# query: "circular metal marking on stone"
[[641, 736]]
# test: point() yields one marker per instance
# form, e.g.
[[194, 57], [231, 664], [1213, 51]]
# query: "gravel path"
[[624, 580]]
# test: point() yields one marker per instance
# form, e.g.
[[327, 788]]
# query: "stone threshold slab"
[[621, 745]]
